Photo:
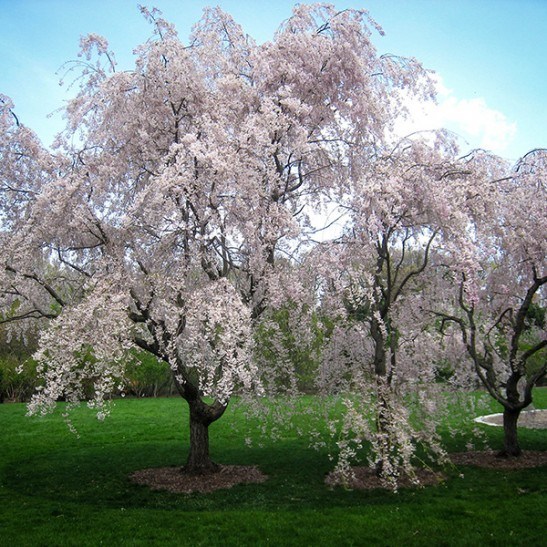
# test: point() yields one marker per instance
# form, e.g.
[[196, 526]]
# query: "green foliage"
[[276, 339], [145, 376], [59, 489], [444, 371], [18, 379], [535, 316], [537, 361], [357, 311]]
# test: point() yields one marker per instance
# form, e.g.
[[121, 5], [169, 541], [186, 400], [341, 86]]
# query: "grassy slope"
[[58, 489]]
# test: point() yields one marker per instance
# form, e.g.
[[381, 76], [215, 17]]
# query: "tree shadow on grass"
[[101, 476]]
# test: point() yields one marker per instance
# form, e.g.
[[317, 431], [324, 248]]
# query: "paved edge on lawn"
[[534, 419]]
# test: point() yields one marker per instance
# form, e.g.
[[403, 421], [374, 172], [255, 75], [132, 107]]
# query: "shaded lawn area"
[[59, 489]]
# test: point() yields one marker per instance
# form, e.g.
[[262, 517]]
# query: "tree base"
[[508, 454], [200, 469], [172, 480]]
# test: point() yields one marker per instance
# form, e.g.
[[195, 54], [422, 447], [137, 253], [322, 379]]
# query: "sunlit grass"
[[59, 489]]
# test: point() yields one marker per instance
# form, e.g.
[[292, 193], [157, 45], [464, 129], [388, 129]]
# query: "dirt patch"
[[173, 480], [489, 459], [365, 478]]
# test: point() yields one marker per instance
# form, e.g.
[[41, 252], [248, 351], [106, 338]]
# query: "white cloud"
[[472, 119]]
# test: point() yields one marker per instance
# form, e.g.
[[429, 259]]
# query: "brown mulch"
[[365, 478], [174, 480], [489, 459]]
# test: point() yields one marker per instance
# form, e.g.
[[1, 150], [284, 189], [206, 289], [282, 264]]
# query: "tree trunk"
[[199, 461], [383, 419], [201, 416], [382, 432], [380, 366], [511, 446]]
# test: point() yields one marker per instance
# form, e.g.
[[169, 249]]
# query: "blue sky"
[[490, 55]]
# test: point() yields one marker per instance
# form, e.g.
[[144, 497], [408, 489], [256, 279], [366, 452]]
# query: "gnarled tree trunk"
[[202, 415]]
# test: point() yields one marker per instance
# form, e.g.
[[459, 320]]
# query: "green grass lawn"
[[59, 489]]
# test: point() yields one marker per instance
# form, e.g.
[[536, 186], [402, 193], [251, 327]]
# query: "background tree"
[[402, 215], [495, 296]]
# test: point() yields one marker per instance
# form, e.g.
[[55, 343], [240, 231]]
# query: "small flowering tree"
[[405, 213], [497, 299]]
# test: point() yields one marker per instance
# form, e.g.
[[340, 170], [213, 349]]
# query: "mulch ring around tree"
[[532, 419], [365, 478], [491, 460], [173, 480]]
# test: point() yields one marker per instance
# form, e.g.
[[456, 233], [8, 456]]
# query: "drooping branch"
[[71, 265], [52, 292], [31, 314]]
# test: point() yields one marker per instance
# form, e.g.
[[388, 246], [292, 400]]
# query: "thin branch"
[[418, 271], [52, 292]]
